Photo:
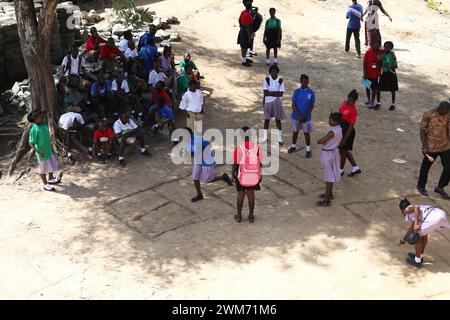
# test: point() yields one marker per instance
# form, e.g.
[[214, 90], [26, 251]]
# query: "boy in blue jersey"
[[303, 101], [162, 115], [354, 16]]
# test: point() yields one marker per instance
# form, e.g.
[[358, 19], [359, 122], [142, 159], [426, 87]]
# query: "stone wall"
[[12, 67]]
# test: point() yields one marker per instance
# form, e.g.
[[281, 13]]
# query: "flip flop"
[[251, 218], [238, 218]]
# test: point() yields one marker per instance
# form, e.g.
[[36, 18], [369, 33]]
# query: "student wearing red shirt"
[[108, 55], [93, 44], [349, 114], [372, 72], [103, 141], [245, 34]]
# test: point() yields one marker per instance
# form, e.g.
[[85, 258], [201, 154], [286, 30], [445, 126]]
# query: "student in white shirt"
[[131, 52], [192, 103], [156, 75], [72, 123], [121, 90], [125, 130], [74, 65], [123, 43], [273, 87]]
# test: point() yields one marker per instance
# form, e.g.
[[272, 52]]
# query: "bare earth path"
[[133, 233]]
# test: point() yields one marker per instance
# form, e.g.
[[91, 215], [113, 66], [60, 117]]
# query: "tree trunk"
[[35, 40]]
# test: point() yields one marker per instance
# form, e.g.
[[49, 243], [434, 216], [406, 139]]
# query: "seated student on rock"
[[62, 98], [104, 141], [150, 33], [111, 56], [102, 96], [149, 53], [72, 65], [127, 132], [71, 124], [137, 88], [187, 62], [184, 80], [121, 90], [204, 169], [156, 75], [93, 45], [131, 52], [167, 65], [162, 115], [160, 91], [124, 42]]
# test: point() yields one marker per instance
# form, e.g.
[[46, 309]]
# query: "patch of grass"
[[437, 6]]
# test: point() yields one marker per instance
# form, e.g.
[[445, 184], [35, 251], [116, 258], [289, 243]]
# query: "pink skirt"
[[203, 174], [274, 109], [48, 166], [331, 164]]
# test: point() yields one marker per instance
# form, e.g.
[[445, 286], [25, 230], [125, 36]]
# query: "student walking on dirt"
[[246, 173], [435, 137], [372, 27], [273, 87], [425, 219], [354, 16], [272, 36], [40, 143], [303, 101], [330, 159], [349, 113], [388, 80]]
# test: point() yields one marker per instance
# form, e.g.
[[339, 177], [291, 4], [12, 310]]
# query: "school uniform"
[[273, 106], [245, 21], [372, 60], [329, 156], [39, 137], [238, 158], [204, 163], [304, 98], [388, 79], [349, 114], [430, 219], [192, 103], [271, 33]]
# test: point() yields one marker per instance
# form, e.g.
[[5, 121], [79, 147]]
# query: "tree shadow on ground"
[[169, 236]]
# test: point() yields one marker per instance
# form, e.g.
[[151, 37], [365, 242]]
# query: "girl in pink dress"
[[425, 219], [330, 158]]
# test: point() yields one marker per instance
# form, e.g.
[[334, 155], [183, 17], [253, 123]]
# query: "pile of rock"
[[18, 98]]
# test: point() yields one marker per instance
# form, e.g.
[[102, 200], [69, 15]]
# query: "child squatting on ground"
[[39, 141]]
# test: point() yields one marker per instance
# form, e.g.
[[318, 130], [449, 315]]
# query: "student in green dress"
[[183, 81], [272, 36], [388, 80], [188, 62], [39, 141]]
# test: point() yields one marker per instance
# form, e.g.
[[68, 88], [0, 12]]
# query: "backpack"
[[257, 22], [250, 167], [280, 81]]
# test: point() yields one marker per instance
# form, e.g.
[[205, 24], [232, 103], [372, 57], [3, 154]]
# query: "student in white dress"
[[425, 219]]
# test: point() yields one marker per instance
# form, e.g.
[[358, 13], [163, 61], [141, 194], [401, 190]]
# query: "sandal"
[[238, 218], [324, 196], [323, 203], [251, 218]]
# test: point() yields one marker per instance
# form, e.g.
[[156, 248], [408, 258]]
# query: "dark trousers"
[[426, 165], [357, 40]]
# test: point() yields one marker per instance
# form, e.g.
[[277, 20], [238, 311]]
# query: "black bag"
[[280, 81], [257, 22]]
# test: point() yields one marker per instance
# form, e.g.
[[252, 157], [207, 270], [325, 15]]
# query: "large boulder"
[[118, 29], [175, 37], [162, 35]]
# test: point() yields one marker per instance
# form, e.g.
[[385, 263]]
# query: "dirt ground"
[[133, 233]]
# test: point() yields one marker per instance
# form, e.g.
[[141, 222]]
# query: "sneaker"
[[292, 149], [354, 173], [308, 154], [71, 160], [246, 64], [412, 255], [422, 191], [342, 173], [250, 60], [359, 55], [377, 106], [413, 262], [252, 53], [227, 179], [442, 193], [48, 187], [197, 198], [56, 180], [122, 163], [392, 107], [146, 153], [267, 63]]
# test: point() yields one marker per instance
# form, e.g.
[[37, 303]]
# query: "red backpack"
[[249, 167]]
